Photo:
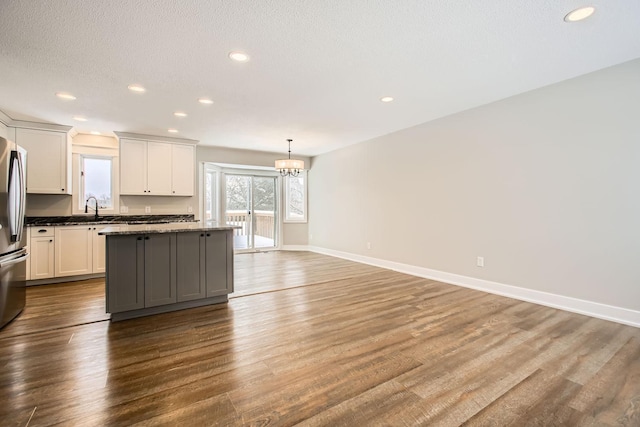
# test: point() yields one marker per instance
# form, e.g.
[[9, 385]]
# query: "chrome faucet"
[[86, 206]]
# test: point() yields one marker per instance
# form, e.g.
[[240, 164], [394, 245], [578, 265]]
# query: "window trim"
[[216, 171], [81, 189], [80, 152], [285, 216]]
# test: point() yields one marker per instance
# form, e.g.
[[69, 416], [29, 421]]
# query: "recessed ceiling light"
[[65, 95], [95, 132], [579, 14], [136, 88], [172, 130], [205, 101], [180, 114], [239, 56], [80, 118], [386, 99]]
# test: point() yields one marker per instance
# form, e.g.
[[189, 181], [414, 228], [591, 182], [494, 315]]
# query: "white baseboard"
[[64, 279], [575, 305], [294, 248]]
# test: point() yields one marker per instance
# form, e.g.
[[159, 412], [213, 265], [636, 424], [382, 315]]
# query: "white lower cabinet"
[[99, 251], [74, 250], [42, 251], [62, 251]]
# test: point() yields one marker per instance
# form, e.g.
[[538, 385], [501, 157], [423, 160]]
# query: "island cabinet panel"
[[191, 266], [154, 270], [125, 273], [219, 263], [204, 264], [159, 269]]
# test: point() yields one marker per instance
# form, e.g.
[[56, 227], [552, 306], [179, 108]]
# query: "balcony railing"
[[264, 220]]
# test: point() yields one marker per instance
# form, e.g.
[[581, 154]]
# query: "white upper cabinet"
[[182, 169], [48, 160], [133, 167], [152, 168], [158, 168]]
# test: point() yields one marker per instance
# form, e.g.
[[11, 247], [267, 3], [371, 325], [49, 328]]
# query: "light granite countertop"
[[174, 227]]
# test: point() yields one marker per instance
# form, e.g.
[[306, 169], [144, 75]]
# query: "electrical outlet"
[[190, 209], [368, 245], [147, 209], [480, 261], [124, 209]]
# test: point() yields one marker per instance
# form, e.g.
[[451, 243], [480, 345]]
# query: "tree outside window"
[[96, 181], [296, 200]]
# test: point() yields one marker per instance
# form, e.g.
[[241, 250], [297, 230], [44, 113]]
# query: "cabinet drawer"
[[42, 231]]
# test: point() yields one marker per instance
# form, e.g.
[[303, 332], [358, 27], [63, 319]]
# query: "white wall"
[[544, 185], [292, 234], [48, 205], [232, 156]]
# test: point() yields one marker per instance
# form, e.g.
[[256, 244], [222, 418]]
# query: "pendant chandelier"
[[290, 167]]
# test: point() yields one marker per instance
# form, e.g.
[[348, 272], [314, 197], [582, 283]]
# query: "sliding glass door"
[[251, 204]]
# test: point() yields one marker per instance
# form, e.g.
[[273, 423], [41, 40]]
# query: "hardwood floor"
[[326, 342]]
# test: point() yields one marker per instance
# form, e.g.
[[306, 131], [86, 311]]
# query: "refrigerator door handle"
[[23, 196], [14, 258], [16, 201]]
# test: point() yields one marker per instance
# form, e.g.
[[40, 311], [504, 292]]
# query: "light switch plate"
[[147, 209]]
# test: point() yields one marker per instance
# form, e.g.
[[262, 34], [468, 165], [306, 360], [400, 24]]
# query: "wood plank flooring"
[[325, 342]]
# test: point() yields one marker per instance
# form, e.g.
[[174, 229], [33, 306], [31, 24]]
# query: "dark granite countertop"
[[41, 221]]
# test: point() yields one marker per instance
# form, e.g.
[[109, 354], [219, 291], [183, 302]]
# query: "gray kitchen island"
[[157, 268]]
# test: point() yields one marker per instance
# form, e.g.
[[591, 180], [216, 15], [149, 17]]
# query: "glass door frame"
[[216, 172], [222, 202]]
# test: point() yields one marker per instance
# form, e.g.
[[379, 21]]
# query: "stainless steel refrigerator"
[[13, 254]]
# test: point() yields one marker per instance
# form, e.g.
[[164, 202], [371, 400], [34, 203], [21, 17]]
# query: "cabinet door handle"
[[146, 238], [62, 189], [202, 235], [42, 231], [50, 240], [139, 238], [208, 235]]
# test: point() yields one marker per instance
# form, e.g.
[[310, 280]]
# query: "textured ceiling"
[[317, 68]]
